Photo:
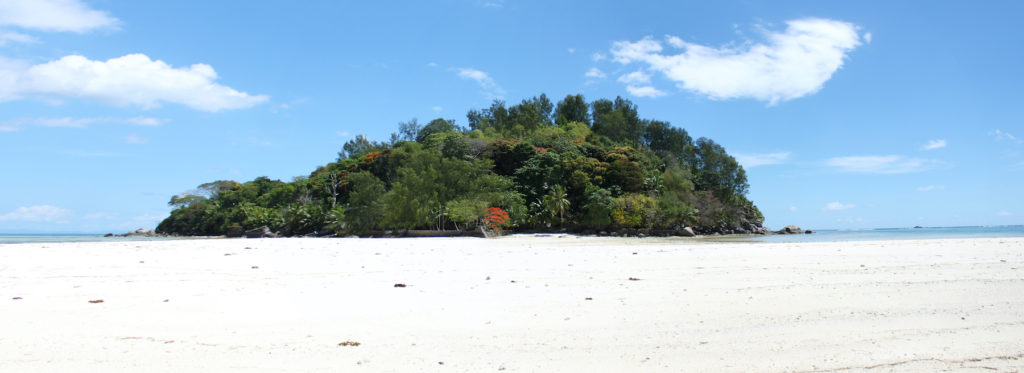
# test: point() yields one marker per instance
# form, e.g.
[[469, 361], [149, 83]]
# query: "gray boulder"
[[140, 233], [790, 229], [235, 232]]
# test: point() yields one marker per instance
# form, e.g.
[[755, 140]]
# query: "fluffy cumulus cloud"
[[763, 159], [790, 64], [490, 87], [42, 213], [934, 144], [837, 206], [131, 80], [880, 164], [53, 15]]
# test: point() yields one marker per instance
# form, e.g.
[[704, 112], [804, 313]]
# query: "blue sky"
[[845, 114]]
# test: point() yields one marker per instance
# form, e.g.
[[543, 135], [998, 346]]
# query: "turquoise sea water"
[[45, 238], [880, 234], [818, 236]]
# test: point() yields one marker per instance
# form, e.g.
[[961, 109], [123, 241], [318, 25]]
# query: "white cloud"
[[934, 144], [791, 64], [867, 37], [131, 80], [83, 122], [645, 91], [754, 160], [8, 36], [343, 133], [6, 128], [1000, 135], [491, 88], [635, 78], [432, 64], [53, 15], [571, 50], [43, 213], [437, 109], [792, 208], [930, 188], [837, 206], [595, 73], [888, 164], [1004, 213], [596, 57], [135, 140]]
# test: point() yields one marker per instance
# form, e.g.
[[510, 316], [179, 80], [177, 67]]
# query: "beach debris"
[[227, 254], [142, 261], [349, 343], [440, 363], [588, 298], [166, 300], [513, 281], [634, 253], [96, 301], [16, 298], [488, 278], [248, 248], [634, 279], [399, 285], [255, 267]]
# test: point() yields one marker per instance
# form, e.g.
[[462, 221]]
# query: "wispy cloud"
[[1004, 213], [54, 15], [437, 109], [1000, 136], [490, 87], [69, 122], [791, 64], [886, 164], [41, 213], [645, 91], [135, 140], [595, 73], [837, 206], [130, 80], [635, 78], [762, 159], [930, 188], [934, 144], [17, 37], [597, 57]]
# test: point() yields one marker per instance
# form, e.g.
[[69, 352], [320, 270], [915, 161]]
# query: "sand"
[[516, 304]]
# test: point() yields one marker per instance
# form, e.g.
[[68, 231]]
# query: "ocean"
[[885, 234], [827, 235]]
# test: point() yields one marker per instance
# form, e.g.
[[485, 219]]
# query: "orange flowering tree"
[[496, 218]]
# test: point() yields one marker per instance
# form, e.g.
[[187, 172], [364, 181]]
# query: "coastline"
[[516, 303]]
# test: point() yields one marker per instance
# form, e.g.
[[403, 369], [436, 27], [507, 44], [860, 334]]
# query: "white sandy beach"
[[517, 304]]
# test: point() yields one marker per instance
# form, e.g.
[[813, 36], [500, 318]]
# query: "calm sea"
[[879, 234], [44, 238], [818, 235]]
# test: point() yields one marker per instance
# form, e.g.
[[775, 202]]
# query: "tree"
[[557, 202], [717, 171], [573, 108], [409, 130], [365, 209], [438, 125], [358, 147]]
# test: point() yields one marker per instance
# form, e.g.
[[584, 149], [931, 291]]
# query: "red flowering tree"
[[496, 218]]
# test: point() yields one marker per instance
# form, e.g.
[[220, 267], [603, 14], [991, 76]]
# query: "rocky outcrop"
[[139, 233], [792, 229], [260, 232]]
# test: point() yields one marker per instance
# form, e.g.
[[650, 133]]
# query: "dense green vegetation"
[[543, 166]]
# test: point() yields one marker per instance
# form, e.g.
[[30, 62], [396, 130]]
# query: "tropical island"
[[534, 166]]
